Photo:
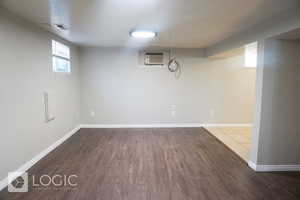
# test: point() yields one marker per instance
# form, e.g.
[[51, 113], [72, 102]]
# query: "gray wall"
[[282, 23], [278, 131], [25, 73], [121, 92]]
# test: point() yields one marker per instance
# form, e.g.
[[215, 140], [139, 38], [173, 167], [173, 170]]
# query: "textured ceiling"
[[179, 23]]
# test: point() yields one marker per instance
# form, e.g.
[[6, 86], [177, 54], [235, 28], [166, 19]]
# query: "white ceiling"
[[179, 23]]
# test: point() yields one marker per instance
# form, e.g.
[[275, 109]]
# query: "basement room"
[[149, 100]]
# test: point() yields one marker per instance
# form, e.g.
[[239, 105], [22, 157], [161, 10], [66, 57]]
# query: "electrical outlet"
[[93, 113], [173, 107], [173, 113]]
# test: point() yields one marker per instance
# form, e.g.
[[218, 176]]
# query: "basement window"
[[60, 57], [251, 51]]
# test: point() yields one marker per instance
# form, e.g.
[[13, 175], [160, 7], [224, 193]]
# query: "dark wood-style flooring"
[[155, 164]]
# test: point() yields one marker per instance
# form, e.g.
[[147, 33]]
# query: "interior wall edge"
[[257, 109], [278, 141]]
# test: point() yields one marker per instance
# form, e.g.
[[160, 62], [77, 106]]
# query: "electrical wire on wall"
[[173, 65]]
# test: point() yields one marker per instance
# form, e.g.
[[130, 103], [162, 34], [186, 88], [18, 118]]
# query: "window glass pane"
[[61, 65], [59, 49], [251, 51]]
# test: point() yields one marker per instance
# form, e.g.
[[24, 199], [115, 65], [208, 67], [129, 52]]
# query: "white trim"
[[228, 125], [273, 168], [29, 164], [161, 125], [252, 165]]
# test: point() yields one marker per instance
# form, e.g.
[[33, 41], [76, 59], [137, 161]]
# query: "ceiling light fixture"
[[142, 34]]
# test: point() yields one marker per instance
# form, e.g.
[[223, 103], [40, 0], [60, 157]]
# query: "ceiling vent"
[[154, 58]]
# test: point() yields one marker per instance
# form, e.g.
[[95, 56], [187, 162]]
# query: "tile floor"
[[236, 138]]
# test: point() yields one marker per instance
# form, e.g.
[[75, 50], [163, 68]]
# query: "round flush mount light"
[[142, 34]]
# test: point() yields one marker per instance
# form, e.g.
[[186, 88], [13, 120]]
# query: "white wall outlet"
[[173, 113], [93, 113], [173, 107], [173, 110], [212, 112]]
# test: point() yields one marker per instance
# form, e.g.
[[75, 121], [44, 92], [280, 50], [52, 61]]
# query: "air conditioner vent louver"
[[154, 59]]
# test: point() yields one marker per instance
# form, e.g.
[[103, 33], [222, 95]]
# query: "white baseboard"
[[161, 125], [227, 125], [252, 165], [29, 164], [273, 168]]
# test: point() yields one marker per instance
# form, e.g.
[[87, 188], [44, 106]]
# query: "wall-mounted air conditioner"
[[153, 59]]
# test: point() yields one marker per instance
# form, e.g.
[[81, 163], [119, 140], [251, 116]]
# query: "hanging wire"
[[173, 65], [178, 71]]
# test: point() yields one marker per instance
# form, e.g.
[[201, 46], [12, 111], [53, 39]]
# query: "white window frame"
[[56, 56], [251, 55]]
